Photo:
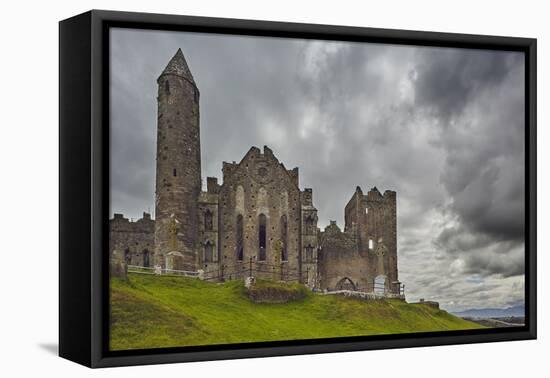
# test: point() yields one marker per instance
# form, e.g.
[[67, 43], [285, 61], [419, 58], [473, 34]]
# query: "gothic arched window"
[[284, 238], [309, 224], [239, 241], [208, 220], [262, 229]]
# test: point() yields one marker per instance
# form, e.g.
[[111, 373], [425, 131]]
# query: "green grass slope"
[[161, 311]]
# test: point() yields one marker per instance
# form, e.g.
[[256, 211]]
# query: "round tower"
[[178, 172]]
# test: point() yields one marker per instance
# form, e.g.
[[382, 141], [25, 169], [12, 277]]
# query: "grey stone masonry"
[[133, 240], [178, 176], [257, 220]]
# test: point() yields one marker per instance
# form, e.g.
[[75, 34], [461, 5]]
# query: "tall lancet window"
[[284, 238], [208, 220], [309, 223], [262, 236], [208, 251], [167, 87], [239, 238]]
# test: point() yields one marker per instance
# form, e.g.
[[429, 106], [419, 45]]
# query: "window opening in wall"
[[262, 237], [239, 229]]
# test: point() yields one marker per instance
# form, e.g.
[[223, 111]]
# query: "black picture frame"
[[84, 187]]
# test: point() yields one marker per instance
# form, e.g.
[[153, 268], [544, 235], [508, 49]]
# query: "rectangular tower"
[[372, 218]]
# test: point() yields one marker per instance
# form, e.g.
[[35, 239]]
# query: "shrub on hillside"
[[263, 291]]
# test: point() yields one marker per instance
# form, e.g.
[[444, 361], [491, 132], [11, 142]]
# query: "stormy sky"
[[444, 127]]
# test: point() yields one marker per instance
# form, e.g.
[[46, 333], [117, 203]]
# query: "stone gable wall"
[[259, 184]]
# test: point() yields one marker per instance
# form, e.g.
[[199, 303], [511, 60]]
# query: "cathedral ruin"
[[257, 221]]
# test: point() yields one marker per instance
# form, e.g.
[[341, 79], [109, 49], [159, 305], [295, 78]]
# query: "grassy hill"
[[162, 311]]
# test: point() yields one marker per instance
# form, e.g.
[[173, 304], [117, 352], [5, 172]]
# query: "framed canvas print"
[[233, 188]]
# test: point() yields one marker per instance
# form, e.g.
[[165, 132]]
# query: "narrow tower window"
[[284, 238], [208, 251], [167, 87], [309, 223], [239, 228], [208, 220], [371, 244], [174, 172], [309, 253], [262, 236]]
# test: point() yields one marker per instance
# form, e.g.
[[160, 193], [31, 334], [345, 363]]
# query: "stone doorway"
[[146, 258], [346, 284]]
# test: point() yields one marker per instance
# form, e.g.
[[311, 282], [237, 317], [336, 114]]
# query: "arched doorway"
[[345, 284], [146, 258]]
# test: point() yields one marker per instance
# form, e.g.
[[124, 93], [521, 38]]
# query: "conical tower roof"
[[178, 66]]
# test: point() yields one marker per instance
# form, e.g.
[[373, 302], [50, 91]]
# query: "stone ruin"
[[257, 219]]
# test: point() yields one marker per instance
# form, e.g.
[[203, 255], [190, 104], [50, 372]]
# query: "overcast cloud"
[[443, 127]]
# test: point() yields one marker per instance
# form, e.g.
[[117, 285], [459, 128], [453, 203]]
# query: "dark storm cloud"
[[482, 132], [442, 127], [449, 78]]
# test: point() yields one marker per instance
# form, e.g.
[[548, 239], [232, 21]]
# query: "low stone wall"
[[364, 295], [428, 303]]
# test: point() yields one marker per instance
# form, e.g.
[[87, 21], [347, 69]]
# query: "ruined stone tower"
[[257, 221], [178, 173], [372, 219]]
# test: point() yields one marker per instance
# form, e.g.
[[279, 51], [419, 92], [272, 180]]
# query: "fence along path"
[[236, 271], [245, 269], [251, 268], [158, 271]]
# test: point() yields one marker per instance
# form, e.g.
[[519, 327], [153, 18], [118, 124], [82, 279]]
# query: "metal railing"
[[262, 269], [394, 289], [161, 271]]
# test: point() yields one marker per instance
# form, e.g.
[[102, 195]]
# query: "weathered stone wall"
[[260, 186], [340, 264], [257, 219], [371, 218], [178, 175], [134, 240], [208, 227]]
